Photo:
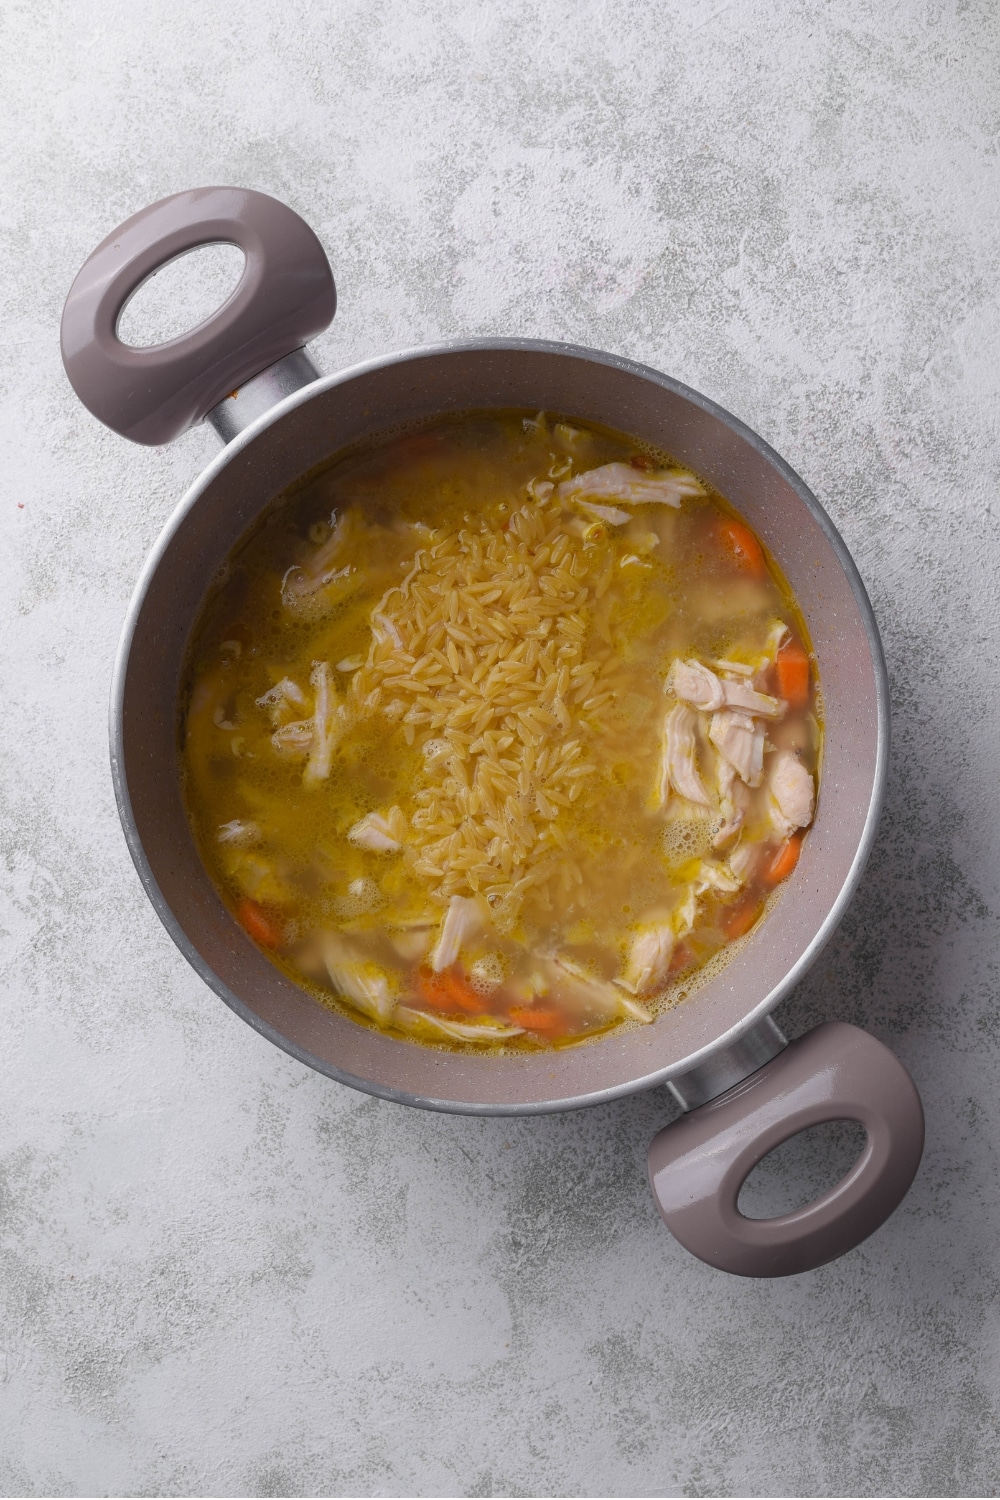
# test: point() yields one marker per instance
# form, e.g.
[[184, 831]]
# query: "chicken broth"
[[500, 734]]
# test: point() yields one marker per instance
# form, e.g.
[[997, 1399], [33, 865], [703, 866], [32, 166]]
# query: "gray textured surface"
[[220, 1273]]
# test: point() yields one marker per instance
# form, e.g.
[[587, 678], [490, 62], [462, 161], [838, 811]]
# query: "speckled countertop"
[[221, 1273]]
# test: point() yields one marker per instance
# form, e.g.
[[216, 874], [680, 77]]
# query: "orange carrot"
[[448, 991], [740, 918], [262, 928], [792, 665], [549, 1022], [642, 462], [741, 547], [682, 956], [781, 866]]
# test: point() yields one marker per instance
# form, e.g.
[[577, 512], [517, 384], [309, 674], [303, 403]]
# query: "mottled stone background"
[[221, 1273]]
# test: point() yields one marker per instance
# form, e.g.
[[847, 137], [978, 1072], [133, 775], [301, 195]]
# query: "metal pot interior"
[[369, 399]]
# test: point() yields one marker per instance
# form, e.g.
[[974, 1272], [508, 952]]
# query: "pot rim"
[[117, 705]]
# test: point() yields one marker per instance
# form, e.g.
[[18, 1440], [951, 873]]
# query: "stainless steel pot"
[[744, 1090]]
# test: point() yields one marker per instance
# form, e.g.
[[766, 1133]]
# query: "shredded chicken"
[[595, 995], [741, 742], [414, 943], [678, 768], [743, 859], [791, 793], [633, 486], [775, 636], [379, 831], [239, 832], [635, 1009], [649, 955], [715, 877], [293, 739], [740, 695], [283, 698], [696, 684], [463, 1031], [687, 913], [360, 980], [331, 721], [466, 918], [733, 668], [301, 583], [734, 801], [609, 513]]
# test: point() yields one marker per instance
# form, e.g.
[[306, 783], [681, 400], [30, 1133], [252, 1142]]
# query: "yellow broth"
[[497, 734]]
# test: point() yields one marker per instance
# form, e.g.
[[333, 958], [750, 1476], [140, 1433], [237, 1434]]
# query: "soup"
[[500, 734]]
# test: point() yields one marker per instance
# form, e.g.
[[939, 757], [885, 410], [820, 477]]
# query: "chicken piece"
[[634, 1010], [484, 1031], [649, 955], [632, 486], [734, 801], [775, 637], [678, 768], [540, 489], [381, 832], [791, 794], [687, 913], [240, 832], [609, 513], [587, 995], [715, 877], [331, 720], [741, 696], [300, 584], [359, 980], [293, 739], [304, 595], [695, 684], [743, 861], [281, 700], [741, 742], [412, 941], [467, 917]]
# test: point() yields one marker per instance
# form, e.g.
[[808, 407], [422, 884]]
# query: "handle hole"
[[801, 1169], [181, 295]]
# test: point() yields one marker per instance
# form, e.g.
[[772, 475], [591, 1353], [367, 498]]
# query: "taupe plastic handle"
[[698, 1164], [285, 297]]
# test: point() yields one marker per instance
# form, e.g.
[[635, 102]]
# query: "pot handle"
[[285, 297], [698, 1165]]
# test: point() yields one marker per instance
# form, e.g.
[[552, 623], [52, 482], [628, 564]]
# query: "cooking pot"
[[742, 1087]]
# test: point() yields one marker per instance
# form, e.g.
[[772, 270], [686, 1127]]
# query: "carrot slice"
[[741, 917], [549, 1022], [792, 666], [741, 547], [448, 991], [683, 955], [255, 921], [784, 861]]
